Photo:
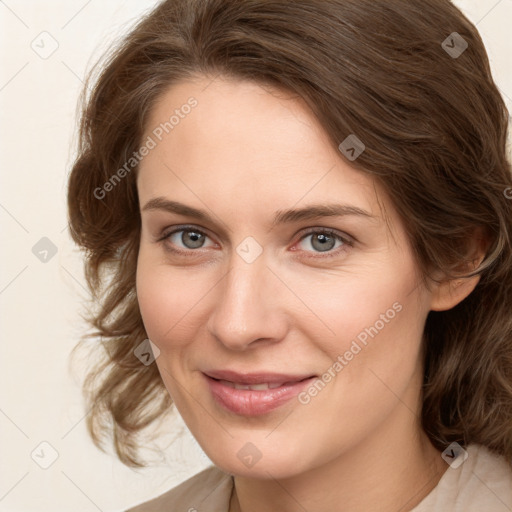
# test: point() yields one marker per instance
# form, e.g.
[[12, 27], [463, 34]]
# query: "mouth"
[[254, 394]]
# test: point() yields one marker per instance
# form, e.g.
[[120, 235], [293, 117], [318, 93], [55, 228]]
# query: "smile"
[[254, 394]]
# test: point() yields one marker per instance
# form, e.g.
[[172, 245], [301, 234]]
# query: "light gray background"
[[41, 301]]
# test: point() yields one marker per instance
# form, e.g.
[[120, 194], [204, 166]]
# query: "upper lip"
[[255, 378]]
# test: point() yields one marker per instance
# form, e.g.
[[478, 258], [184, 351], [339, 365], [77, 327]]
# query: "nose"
[[249, 308]]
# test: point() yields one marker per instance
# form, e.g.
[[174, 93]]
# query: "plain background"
[[42, 293]]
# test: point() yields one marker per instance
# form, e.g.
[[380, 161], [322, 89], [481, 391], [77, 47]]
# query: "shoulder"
[[482, 482], [209, 490]]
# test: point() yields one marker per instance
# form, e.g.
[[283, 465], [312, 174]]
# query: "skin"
[[243, 153]]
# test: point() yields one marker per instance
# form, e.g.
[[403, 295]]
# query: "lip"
[[250, 402]]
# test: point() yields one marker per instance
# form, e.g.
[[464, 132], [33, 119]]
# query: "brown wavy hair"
[[435, 130]]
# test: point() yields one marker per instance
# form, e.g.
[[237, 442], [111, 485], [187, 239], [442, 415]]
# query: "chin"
[[257, 457]]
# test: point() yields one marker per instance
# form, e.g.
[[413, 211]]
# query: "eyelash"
[[346, 241]]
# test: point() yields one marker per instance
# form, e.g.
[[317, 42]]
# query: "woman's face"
[[276, 281]]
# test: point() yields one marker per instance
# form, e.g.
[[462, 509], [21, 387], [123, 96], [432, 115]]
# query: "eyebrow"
[[280, 217]]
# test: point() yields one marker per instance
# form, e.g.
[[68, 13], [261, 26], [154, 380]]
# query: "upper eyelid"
[[188, 227]]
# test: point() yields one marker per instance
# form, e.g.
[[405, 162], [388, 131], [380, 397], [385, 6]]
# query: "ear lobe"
[[450, 292]]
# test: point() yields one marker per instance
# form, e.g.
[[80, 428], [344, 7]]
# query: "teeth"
[[241, 386], [257, 387], [227, 383], [253, 387]]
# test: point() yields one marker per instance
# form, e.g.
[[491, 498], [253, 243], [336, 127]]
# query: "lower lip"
[[248, 402]]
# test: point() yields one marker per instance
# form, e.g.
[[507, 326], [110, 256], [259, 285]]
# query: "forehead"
[[236, 119], [244, 146]]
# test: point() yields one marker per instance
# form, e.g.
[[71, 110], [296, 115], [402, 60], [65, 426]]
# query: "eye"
[[324, 241], [187, 238]]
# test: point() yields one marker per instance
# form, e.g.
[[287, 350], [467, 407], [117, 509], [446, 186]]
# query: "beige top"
[[483, 483]]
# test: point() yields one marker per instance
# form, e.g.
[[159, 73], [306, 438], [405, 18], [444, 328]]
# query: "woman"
[[304, 206]]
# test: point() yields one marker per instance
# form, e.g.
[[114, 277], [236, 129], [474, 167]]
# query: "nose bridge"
[[246, 308]]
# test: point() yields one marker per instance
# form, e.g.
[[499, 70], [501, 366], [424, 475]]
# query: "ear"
[[450, 292]]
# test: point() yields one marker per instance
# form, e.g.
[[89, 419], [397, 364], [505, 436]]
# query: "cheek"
[[375, 322], [372, 363], [376, 353], [169, 300], [357, 306]]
